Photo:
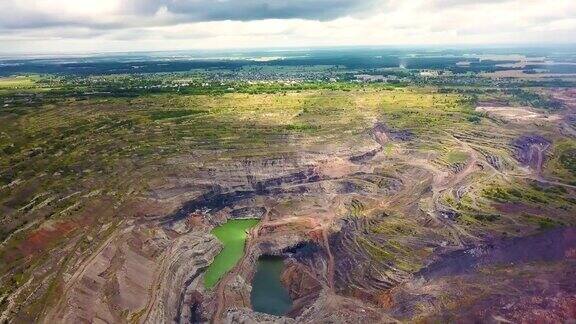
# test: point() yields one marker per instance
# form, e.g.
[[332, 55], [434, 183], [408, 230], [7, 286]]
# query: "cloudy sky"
[[73, 26]]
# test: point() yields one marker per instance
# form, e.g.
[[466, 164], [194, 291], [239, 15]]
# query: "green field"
[[233, 237], [18, 82]]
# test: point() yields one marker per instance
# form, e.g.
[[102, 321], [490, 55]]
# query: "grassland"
[[18, 82]]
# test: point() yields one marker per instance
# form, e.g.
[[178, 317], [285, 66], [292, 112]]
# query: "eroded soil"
[[382, 220]]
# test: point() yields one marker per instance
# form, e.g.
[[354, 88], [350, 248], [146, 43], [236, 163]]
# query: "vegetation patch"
[[562, 163], [456, 157], [486, 217], [568, 160], [543, 223], [17, 82], [169, 114]]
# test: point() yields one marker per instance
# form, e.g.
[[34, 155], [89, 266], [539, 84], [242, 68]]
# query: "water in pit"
[[233, 236], [268, 294]]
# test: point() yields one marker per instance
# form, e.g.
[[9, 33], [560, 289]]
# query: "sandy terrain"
[[517, 114]]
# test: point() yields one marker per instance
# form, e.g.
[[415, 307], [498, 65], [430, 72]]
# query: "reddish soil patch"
[[560, 308], [42, 239], [39, 240], [316, 235], [385, 300]]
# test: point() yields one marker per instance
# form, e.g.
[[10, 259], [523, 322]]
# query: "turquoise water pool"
[[268, 294]]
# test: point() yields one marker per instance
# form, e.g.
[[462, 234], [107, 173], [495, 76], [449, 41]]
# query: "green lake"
[[233, 235], [268, 294]]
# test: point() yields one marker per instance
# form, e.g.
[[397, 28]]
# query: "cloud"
[[108, 14], [458, 3], [29, 14], [245, 10], [117, 25]]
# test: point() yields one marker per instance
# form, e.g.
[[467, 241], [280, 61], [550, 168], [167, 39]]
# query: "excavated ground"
[[385, 229], [333, 218]]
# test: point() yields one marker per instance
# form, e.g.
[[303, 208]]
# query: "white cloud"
[[116, 25]]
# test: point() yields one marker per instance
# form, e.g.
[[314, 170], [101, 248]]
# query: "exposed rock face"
[[331, 308], [178, 283], [219, 197], [529, 149], [552, 246], [326, 309], [246, 212], [301, 276], [142, 274], [248, 316], [303, 286], [381, 131], [517, 293], [355, 264]]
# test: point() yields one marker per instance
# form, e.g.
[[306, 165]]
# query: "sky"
[[78, 26]]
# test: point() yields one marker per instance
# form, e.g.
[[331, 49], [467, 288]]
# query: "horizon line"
[[447, 46]]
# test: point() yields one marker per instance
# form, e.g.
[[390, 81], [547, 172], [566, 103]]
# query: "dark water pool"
[[268, 295]]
